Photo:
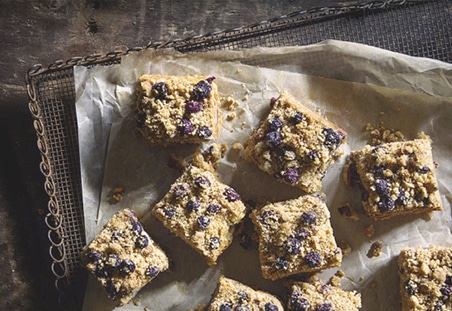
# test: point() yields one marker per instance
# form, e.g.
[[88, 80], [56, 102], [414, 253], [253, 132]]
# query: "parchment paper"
[[354, 93]]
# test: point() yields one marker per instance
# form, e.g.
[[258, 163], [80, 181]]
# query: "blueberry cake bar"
[[295, 236], [123, 258], [425, 278], [294, 144], [395, 178], [233, 295], [177, 109], [202, 211], [316, 296]]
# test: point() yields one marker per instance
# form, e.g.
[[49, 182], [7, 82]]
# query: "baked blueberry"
[[313, 259]]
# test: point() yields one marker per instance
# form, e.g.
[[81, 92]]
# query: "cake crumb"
[[369, 231], [345, 247], [231, 116], [375, 249], [380, 134], [229, 103], [117, 194], [348, 211], [137, 302], [211, 157], [335, 280], [237, 147]]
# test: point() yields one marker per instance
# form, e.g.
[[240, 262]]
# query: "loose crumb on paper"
[[380, 134], [229, 103], [369, 231], [345, 247], [375, 249], [116, 194]]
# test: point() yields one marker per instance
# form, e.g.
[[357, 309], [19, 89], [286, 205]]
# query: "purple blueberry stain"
[[327, 306], [193, 106], [127, 266], [313, 259], [231, 195], [332, 138], [273, 139], [185, 127], [202, 182], [270, 307], [308, 218], [213, 208], [382, 187], [268, 216], [378, 171], [298, 303], [180, 191], [293, 246], [226, 306], [203, 221], [445, 291], [169, 211], [142, 241], [424, 170], [297, 118], [193, 205], [291, 175], [386, 204], [313, 155], [242, 297], [94, 256], [402, 198], [439, 304], [136, 227], [201, 90], [159, 90], [282, 264], [275, 124], [203, 132], [301, 234], [152, 271]]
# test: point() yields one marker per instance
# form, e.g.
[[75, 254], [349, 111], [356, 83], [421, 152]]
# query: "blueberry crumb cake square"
[[295, 236], [294, 144], [177, 109], [234, 295], [123, 257]]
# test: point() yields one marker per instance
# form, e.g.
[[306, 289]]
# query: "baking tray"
[[416, 28]]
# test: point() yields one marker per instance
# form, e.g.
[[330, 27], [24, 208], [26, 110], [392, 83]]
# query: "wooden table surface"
[[43, 31]]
